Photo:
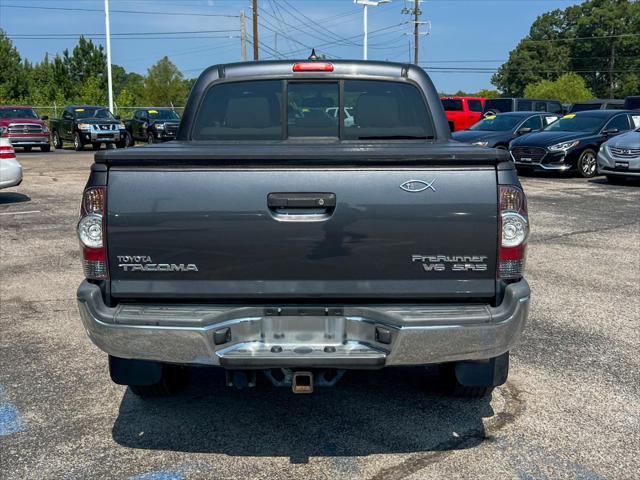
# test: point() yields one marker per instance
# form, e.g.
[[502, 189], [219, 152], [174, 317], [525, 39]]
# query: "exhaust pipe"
[[302, 382]]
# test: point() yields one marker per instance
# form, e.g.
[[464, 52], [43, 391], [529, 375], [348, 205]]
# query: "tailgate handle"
[[301, 207], [301, 200]]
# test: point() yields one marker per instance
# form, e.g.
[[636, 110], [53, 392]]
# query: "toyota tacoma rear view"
[[280, 236]]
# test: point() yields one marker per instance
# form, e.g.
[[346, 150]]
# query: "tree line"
[[80, 77], [588, 49]]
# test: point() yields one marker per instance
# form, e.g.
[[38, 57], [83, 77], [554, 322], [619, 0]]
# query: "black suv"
[[632, 103], [598, 104], [501, 105], [152, 125]]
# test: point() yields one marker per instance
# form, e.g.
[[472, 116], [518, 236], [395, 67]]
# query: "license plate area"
[[304, 329], [622, 165]]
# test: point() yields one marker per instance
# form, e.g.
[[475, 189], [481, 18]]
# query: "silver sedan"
[[619, 158], [10, 169]]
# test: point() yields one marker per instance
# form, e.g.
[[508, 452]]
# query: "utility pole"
[[255, 30], [416, 13], [243, 36], [612, 62], [416, 32], [108, 36]]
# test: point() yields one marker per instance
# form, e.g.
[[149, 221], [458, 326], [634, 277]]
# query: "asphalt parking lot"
[[571, 407]]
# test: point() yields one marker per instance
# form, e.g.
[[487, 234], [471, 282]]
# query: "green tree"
[[87, 61], [597, 39], [569, 88], [488, 93], [164, 85], [13, 78], [93, 92]]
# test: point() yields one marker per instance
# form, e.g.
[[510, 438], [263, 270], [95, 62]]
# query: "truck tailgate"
[[309, 233]]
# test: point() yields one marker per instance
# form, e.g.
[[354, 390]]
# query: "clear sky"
[[467, 40]]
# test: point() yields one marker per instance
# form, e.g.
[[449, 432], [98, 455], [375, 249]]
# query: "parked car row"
[[463, 112], [573, 142], [84, 125]]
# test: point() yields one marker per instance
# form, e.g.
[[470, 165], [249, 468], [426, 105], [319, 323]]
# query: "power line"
[[137, 12], [129, 38], [53, 35]]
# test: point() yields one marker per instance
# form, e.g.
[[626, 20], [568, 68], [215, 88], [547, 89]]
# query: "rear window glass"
[[632, 103], [475, 105], [253, 110], [452, 105], [498, 105], [385, 110], [312, 109], [241, 111]]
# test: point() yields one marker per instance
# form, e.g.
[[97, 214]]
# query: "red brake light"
[[313, 67], [513, 233], [92, 233], [7, 152]]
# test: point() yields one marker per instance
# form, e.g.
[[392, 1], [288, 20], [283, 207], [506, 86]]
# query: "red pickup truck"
[[462, 112], [23, 127]]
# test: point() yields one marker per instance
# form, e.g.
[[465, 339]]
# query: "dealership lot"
[[571, 407]]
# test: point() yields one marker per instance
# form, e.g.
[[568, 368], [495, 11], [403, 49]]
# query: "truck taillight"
[[514, 231], [92, 233]]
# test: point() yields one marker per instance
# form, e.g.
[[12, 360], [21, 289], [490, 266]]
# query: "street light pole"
[[366, 4], [365, 42], [108, 36]]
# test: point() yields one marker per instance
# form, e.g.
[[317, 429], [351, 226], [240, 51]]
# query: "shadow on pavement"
[[7, 198], [616, 182], [389, 411]]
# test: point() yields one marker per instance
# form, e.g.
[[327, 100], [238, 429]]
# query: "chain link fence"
[[55, 111]]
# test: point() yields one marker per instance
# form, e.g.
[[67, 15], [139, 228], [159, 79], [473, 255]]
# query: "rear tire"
[[78, 146], [150, 138], [174, 379], [587, 164], [128, 139], [474, 379], [146, 378], [45, 148]]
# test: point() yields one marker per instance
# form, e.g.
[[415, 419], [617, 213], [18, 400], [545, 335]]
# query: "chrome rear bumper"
[[339, 337]]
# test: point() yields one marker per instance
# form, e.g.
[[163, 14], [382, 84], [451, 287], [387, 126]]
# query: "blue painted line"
[[10, 418], [160, 475]]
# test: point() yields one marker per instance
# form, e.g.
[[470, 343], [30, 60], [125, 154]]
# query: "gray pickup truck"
[[277, 236]]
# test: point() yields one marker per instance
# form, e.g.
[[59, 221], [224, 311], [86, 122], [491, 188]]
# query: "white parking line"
[[20, 213]]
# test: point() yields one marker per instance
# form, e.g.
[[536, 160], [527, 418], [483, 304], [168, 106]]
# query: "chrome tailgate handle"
[[301, 200], [301, 207]]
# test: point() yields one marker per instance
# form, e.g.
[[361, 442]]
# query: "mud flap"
[[134, 372], [486, 373]]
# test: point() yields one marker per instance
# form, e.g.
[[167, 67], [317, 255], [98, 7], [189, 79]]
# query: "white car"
[[10, 169]]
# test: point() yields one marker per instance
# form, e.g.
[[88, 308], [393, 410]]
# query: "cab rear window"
[[280, 109]]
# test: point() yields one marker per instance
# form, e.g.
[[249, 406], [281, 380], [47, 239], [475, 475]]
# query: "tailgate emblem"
[[416, 186]]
